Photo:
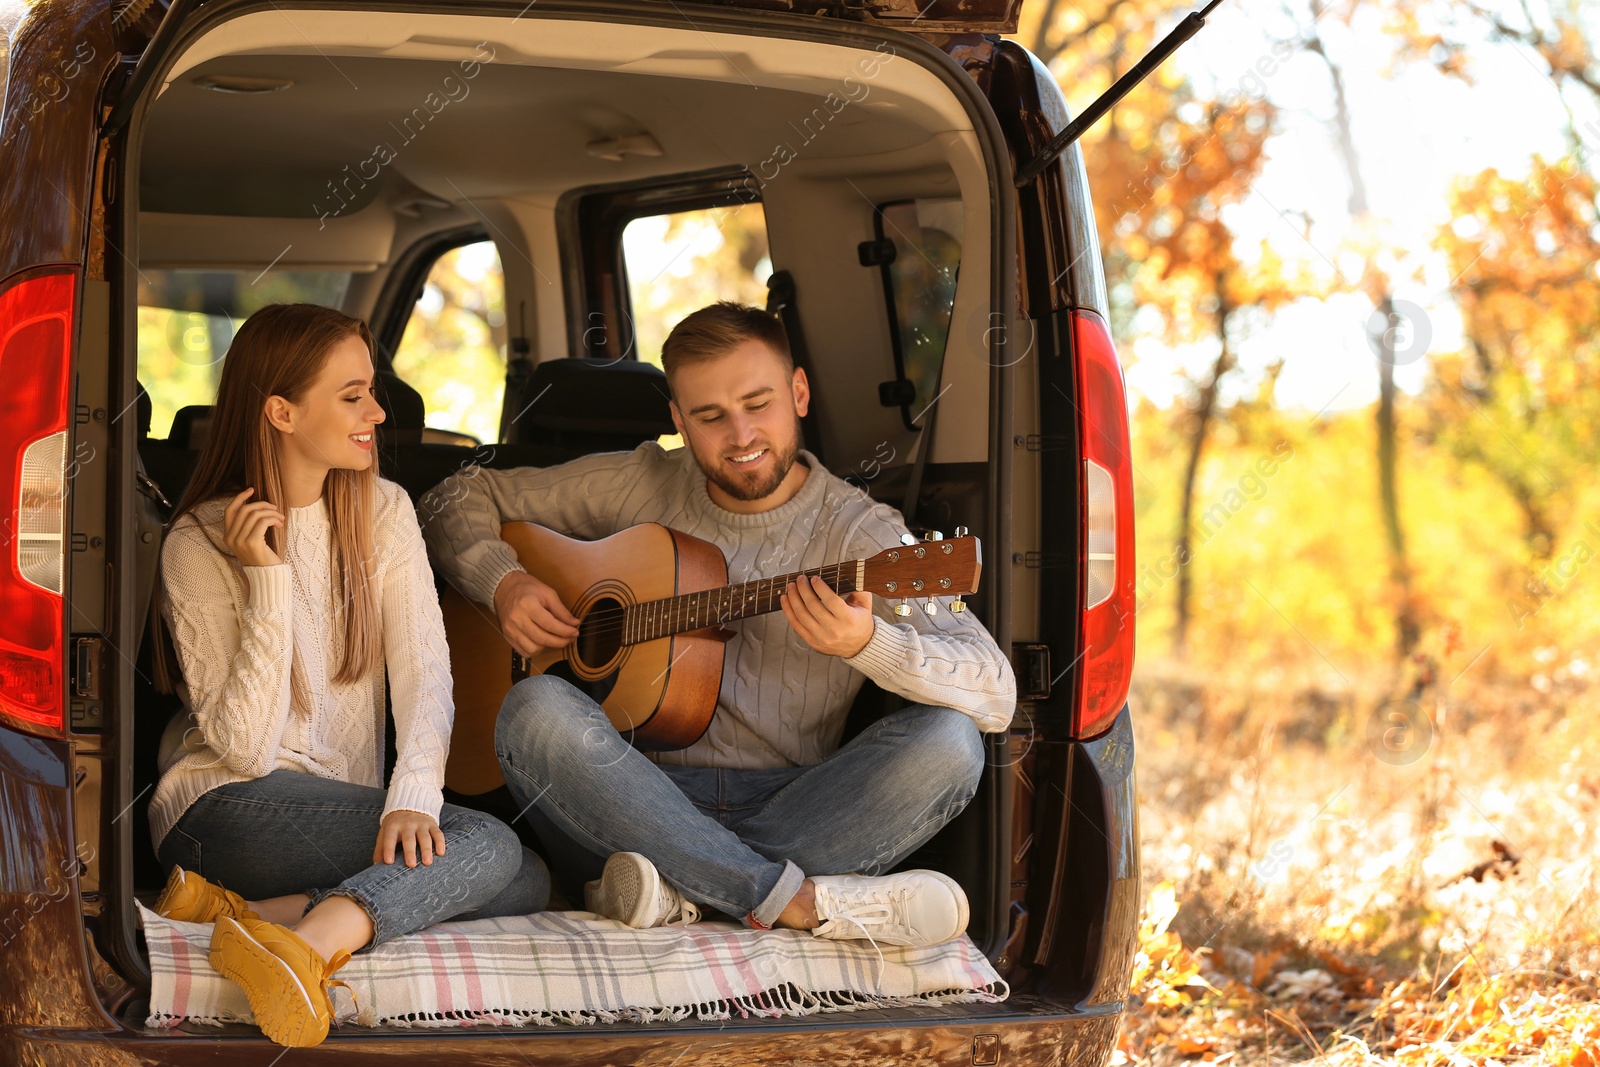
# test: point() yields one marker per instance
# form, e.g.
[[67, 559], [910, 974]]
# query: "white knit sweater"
[[259, 647]]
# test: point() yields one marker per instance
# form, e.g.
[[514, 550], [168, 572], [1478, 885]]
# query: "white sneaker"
[[909, 908], [633, 892]]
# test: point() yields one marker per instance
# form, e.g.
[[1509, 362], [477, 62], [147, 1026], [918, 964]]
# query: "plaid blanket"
[[575, 968]]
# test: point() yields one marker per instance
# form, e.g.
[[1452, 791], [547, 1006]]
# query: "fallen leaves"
[[1505, 862], [1298, 985], [1209, 1005], [1261, 967], [1443, 914], [1163, 970]]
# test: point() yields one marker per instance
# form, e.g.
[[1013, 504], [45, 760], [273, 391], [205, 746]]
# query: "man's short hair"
[[718, 329]]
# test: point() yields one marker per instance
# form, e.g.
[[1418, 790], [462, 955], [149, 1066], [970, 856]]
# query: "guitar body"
[[659, 694], [651, 604]]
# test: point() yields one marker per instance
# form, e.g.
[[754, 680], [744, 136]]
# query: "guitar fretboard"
[[691, 611]]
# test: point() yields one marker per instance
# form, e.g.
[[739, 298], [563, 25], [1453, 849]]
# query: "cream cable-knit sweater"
[[782, 704], [259, 647]]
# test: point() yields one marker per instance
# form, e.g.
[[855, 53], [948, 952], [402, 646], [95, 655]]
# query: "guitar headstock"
[[926, 569]]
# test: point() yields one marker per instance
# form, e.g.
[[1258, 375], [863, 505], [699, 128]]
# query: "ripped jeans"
[[740, 841]]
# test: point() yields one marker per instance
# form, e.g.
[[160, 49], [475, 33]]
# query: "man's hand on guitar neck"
[[832, 624], [532, 617]]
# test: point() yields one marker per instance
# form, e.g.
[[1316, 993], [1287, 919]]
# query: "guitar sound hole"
[[599, 633]]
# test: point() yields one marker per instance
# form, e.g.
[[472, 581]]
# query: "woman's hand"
[[245, 530], [417, 835]]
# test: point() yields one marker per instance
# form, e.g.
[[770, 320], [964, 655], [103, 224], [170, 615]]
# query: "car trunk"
[[335, 139]]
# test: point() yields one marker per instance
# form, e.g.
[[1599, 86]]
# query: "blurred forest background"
[[1352, 256], [1365, 434]]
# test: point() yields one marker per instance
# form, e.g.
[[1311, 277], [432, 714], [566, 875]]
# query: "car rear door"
[[912, 16], [58, 412], [1077, 875]]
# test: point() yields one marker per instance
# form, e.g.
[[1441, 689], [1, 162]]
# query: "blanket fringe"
[[785, 1000]]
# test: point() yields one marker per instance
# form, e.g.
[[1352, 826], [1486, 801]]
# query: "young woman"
[[294, 579]]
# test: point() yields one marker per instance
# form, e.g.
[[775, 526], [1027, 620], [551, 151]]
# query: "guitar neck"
[[654, 619]]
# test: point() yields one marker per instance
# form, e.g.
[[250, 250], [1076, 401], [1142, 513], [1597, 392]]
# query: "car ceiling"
[[508, 131]]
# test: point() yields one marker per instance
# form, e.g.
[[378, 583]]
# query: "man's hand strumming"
[[532, 617], [832, 624]]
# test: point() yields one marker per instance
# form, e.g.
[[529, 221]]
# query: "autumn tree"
[[1552, 36], [453, 350], [1191, 271], [1389, 328], [681, 262], [1522, 254], [1167, 163], [1521, 402]]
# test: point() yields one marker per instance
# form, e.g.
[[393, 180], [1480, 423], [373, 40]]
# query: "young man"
[[764, 817]]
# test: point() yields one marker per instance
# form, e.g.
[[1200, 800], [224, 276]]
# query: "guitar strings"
[[668, 608], [615, 620]]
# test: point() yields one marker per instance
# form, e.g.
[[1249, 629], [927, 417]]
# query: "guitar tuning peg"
[[933, 607], [902, 610], [961, 531], [908, 539], [933, 535], [958, 605]]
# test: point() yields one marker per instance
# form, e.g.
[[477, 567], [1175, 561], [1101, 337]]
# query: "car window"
[[685, 260], [187, 320], [453, 350], [922, 277]]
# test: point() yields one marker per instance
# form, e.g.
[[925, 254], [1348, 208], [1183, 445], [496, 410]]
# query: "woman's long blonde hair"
[[279, 351]]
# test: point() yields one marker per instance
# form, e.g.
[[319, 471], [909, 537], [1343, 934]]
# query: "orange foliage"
[[1165, 164], [1522, 401], [1523, 252]]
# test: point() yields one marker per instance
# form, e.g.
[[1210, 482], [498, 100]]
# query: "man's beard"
[[747, 487]]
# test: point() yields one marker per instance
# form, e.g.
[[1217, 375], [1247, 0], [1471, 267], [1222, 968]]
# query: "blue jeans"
[[739, 841], [291, 833]]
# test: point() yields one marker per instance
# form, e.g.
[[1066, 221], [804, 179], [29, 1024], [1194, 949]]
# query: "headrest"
[[143, 411], [403, 409], [191, 427], [603, 402], [402, 406]]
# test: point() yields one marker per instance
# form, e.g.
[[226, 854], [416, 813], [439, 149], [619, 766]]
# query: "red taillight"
[[36, 318], [1107, 503]]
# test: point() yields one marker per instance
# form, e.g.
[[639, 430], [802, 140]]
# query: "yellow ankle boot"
[[189, 898]]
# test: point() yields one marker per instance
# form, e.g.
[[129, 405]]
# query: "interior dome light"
[[242, 85]]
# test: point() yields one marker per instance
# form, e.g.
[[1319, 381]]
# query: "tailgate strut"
[[144, 70], [1108, 99]]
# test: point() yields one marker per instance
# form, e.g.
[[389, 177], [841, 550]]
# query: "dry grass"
[[1327, 883]]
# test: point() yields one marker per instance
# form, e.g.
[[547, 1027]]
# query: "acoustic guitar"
[[651, 604]]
